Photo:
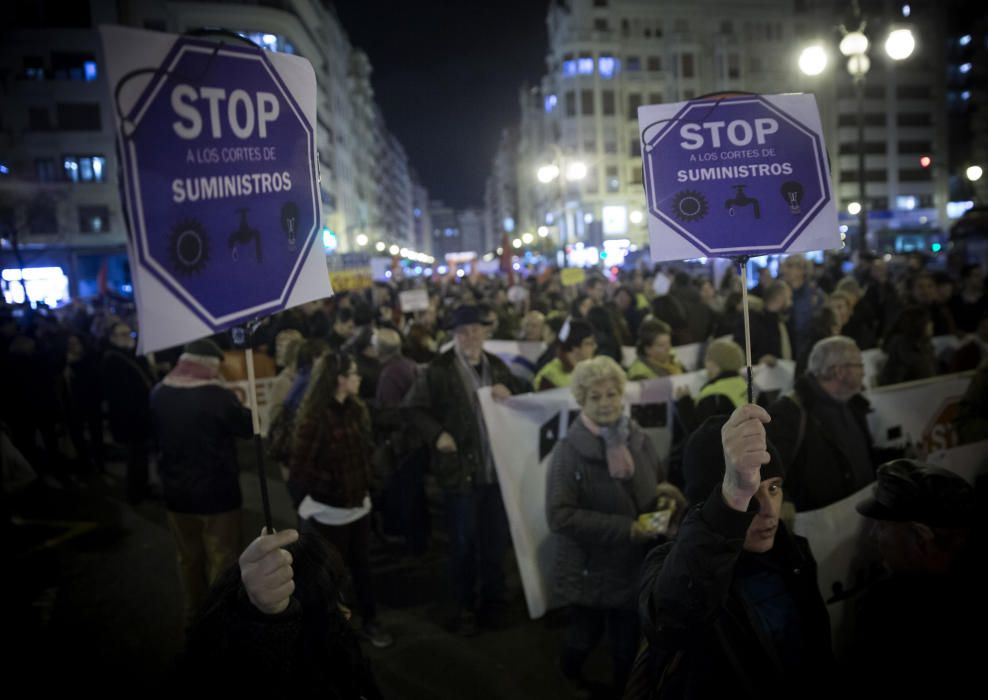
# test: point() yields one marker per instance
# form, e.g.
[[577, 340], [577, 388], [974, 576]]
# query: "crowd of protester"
[[370, 401]]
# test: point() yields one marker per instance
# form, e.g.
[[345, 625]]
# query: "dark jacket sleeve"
[[685, 583], [420, 409], [562, 505], [236, 418]]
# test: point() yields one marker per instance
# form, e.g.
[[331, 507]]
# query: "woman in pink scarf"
[[602, 477]]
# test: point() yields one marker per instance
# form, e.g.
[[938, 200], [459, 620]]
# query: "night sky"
[[447, 76]]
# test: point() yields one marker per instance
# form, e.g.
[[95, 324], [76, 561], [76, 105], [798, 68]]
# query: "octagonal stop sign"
[[220, 177], [740, 175]]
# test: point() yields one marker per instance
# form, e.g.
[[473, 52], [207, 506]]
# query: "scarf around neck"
[[194, 371], [472, 382], [620, 463]]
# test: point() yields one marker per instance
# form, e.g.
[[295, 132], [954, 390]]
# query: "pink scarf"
[[194, 371], [620, 463]]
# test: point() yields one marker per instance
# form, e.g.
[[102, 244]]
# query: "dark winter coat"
[[439, 402], [766, 334], [908, 359], [704, 628], [197, 429], [819, 468], [590, 513], [127, 382]]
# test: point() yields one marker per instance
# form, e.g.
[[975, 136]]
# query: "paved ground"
[[92, 601]]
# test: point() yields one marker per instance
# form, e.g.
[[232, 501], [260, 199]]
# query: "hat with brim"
[[909, 491], [466, 315]]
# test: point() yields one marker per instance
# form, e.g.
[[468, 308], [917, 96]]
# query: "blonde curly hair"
[[589, 372]]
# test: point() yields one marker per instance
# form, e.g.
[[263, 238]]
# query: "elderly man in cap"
[[731, 607], [444, 407], [197, 421], [916, 628]]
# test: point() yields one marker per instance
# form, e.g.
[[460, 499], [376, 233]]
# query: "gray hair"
[[598, 369], [387, 342], [830, 353]]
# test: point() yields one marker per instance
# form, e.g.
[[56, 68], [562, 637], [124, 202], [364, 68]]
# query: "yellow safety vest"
[[555, 373]]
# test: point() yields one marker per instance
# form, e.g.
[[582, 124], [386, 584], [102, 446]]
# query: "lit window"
[[608, 66], [86, 169], [4, 170], [966, 95], [71, 169], [89, 70], [585, 66], [550, 102], [965, 68], [907, 202], [569, 68], [965, 40]]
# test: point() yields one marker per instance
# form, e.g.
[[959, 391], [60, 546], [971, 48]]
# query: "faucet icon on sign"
[[244, 235], [742, 200]]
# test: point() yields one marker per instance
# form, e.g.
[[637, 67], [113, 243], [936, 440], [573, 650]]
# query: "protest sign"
[[413, 300], [350, 271], [219, 181], [736, 175], [571, 276]]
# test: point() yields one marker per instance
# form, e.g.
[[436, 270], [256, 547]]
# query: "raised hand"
[[745, 451]]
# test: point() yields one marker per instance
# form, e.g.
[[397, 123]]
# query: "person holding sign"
[[602, 478], [275, 627], [732, 607]]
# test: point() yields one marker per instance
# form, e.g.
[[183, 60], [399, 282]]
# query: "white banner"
[[527, 351], [535, 423], [918, 413]]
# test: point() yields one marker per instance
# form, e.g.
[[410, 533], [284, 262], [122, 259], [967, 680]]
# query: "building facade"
[[501, 193], [58, 169], [606, 58]]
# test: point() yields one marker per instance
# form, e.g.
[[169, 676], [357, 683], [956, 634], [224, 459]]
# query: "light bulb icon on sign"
[[792, 192]]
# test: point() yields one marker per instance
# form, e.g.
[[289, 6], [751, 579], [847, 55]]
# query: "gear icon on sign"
[[188, 247], [689, 205]]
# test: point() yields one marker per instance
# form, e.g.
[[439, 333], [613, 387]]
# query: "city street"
[[98, 598]]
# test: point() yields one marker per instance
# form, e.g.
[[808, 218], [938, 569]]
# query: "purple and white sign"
[[220, 181], [738, 175]]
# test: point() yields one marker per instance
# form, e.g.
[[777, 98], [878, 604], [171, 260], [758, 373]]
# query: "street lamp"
[[380, 246], [575, 171], [899, 45], [362, 239], [974, 173]]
